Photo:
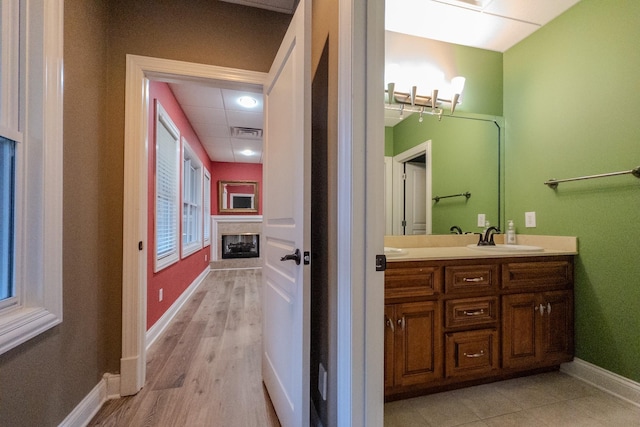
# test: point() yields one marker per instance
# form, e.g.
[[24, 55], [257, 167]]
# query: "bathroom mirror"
[[237, 196], [464, 172]]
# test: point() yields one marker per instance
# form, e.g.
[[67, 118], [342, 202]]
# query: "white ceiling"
[[498, 25], [214, 112]]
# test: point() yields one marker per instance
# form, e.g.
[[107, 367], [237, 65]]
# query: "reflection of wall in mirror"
[[223, 171], [465, 158]]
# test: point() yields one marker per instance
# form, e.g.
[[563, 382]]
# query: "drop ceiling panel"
[[204, 130], [231, 97], [197, 95], [244, 119], [214, 116]]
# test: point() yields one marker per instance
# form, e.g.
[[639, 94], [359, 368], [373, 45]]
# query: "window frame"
[[162, 118], [195, 175], [31, 106], [206, 209]]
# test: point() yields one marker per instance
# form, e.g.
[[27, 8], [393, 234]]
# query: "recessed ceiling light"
[[246, 152], [247, 101]]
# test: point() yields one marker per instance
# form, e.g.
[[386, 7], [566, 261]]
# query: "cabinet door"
[[557, 327], [389, 339], [537, 329], [519, 325], [418, 343]]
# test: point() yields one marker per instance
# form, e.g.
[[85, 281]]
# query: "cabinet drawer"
[[470, 278], [471, 311], [471, 353], [412, 280], [533, 275]]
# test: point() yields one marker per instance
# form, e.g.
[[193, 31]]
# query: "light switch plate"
[[530, 219], [481, 220]]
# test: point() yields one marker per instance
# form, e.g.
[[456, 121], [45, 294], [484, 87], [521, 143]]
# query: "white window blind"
[[167, 185]]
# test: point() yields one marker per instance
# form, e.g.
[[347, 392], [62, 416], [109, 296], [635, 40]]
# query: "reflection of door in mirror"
[[415, 196], [410, 205]]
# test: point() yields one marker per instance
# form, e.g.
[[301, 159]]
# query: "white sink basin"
[[507, 248], [393, 252]]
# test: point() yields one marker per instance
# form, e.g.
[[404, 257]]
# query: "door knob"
[[294, 256]]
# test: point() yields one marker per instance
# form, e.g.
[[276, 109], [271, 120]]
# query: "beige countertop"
[[455, 247]]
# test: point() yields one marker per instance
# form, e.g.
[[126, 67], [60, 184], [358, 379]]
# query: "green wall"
[[572, 108]]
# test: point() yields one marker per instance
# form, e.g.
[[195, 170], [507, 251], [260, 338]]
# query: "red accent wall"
[[175, 279], [222, 171]]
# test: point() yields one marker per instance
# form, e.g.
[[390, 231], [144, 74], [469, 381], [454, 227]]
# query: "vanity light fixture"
[[424, 104], [247, 101]]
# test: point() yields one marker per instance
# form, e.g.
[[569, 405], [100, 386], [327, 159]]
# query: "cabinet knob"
[[389, 323], [401, 322]]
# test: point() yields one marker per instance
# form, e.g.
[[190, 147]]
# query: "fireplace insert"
[[245, 245]]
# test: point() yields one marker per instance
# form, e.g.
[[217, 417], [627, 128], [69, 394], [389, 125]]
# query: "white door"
[[415, 204], [286, 184]]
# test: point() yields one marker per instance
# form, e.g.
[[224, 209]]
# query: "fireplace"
[[243, 245]]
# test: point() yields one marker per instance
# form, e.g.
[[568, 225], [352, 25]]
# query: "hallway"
[[204, 370]]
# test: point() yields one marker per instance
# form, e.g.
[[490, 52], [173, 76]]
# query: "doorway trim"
[[139, 70], [398, 171]]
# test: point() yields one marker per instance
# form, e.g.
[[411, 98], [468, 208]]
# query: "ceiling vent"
[[246, 133]]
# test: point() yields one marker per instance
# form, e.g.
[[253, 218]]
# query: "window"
[[167, 185], [30, 169], [191, 201], [207, 208], [7, 197]]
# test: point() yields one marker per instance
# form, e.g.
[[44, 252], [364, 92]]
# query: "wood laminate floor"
[[204, 370]]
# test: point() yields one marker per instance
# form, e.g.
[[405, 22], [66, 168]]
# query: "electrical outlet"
[[322, 381], [160, 296], [530, 219], [482, 220], [206, 257]]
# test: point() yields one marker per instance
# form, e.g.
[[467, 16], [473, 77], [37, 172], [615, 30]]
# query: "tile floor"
[[551, 399]]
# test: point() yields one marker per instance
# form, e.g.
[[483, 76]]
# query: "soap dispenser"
[[511, 233]]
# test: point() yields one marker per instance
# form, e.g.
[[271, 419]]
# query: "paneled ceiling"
[[486, 24]]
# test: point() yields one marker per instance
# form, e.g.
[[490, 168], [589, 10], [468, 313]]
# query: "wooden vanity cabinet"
[[413, 349], [413, 321], [453, 323], [537, 321]]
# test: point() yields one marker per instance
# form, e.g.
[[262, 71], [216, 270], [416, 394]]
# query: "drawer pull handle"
[[473, 279], [474, 355], [474, 313]]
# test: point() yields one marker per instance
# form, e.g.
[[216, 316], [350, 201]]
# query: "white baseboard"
[[154, 332], [606, 381], [108, 388]]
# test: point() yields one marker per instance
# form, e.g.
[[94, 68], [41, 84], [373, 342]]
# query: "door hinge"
[[404, 176], [140, 246], [381, 262], [404, 223]]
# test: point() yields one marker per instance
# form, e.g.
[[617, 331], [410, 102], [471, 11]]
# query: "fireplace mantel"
[[216, 235]]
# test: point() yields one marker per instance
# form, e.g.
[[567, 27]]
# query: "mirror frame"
[[221, 206]]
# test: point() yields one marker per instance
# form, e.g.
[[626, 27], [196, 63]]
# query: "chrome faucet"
[[487, 239], [455, 230]]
